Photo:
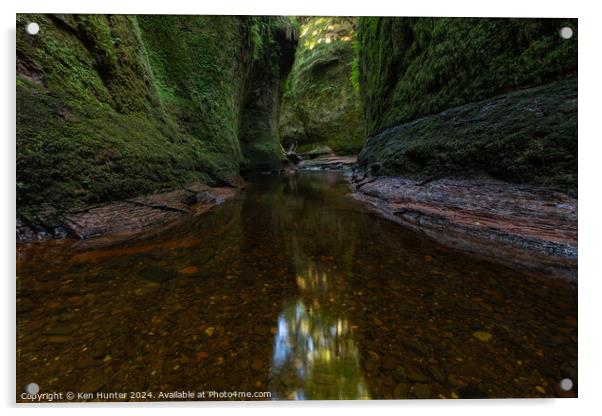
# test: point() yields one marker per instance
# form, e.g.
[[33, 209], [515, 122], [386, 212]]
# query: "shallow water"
[[295, 290]]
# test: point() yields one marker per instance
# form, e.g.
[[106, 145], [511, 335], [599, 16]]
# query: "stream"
[[295, 289]]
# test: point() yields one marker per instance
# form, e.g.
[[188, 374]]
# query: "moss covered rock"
[[423, 81], [321, 105], [527, 136], [110, 107], [412, 67], [259, 137]]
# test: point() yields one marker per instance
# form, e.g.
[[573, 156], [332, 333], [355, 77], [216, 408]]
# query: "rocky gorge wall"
[[112, 106], [527, 136], [428, 88], [321, 105]]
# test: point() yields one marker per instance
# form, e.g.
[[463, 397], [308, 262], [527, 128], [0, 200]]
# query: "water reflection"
[[290, 288], [315, 355]]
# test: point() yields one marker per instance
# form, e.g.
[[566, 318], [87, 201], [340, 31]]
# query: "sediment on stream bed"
[[228, 298]]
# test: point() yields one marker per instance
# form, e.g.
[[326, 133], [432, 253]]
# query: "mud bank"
[[128, 216], [517, 225]]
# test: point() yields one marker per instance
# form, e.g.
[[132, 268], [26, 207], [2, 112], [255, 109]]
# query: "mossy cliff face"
[[259, 136], [110, 107], [412, 67], [321, 105], [416, 67], [528, 136]]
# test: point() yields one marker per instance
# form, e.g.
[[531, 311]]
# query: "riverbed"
[[292, 289]]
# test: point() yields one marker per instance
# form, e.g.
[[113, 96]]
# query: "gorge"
[[318, 207]]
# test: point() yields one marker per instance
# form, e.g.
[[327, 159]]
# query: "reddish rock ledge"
[[329, 162], [517, 225], [129, 216]]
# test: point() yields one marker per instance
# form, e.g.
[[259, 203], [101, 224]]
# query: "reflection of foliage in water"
[[315, 356], [346, 296]]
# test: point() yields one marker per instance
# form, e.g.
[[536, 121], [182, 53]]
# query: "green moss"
[[321, 106], [110, 107], [69, 157], [529, 136], [273, 60], [198, 67], [411, 67]]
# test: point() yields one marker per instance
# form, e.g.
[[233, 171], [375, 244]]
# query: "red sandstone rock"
[[330, 162], [133, 215], [514, 224]]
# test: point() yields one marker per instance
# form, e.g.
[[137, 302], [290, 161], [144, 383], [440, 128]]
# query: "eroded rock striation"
[[518, 225], [127, 216]]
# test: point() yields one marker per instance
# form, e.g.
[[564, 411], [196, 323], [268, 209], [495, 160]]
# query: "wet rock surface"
[[518, 225], [328, 162], [340, 304], [129, 216]]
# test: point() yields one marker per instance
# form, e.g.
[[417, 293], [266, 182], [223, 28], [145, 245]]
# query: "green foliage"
[[411, 67], [320, 105], [258, 29]]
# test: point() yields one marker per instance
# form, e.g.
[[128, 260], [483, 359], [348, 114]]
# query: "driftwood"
[[291, 154]]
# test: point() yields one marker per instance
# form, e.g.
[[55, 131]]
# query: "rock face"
[[528, 136], [458, 113], [321, 159], [410, 80], [518, 225], [128, 216], [414, 66], [322, 105], [110, 107], [259, 136], [330, 162]]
